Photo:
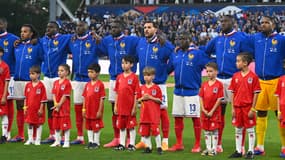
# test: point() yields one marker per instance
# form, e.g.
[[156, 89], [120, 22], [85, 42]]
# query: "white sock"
[[66, 136], [238, 139], [57, 136], [143, 139], [158, 141], [5, 126], [39, 133], [132, 136], [215, 136], [80, 138], [8, 135], [123, 133], [251, 138], [90, 134], [97, 137], [208, 140], [30, 133], [148, 142], [165, 140]]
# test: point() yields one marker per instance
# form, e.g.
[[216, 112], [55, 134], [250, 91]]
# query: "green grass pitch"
[[11, 151]]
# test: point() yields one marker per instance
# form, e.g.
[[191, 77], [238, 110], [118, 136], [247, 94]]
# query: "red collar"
[[231, 33], [54, 36], [153, 39], [119, 38], [83, 37], [26, 42], [3, 34], [273, 34], [191, 48]]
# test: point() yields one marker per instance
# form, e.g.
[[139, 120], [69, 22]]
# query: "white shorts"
[[186, 106], [78, 88], [227, 93], [112, 93], [19, 89], [48, 82], [163, 89], [11, 88]]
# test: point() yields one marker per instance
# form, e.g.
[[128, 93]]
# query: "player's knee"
[[113, 106], [207, 133], [196, 122], [224, 105], [239, 130], [261, 113], [179, 122], [20, 104], [250, 130], [49, 110]]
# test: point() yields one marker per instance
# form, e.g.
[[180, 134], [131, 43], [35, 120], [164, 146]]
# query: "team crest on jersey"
[[231, 49], [62, 87], [55, 42], [97, 125], [132, 122], [28, 90], [87, 45], [38, 91], [274, 42], [273, 48], [190, 56], [154, 49], [232, 43], [1, 70], [122, 44], [282, 84], [236, 80], [6, 43], [215, 90], [96, 89], [153, 92], [30, 49], [130, 81], [249, 80]]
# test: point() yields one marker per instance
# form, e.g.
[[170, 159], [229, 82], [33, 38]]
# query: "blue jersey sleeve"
[[67, 38], [246, 45], [204, 58], [102, 47], [135, 41], [251, 39], [210, 48], [170, 48], [170, 66], [40, 53]]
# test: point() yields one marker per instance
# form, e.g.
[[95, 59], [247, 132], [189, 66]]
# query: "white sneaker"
[[55, 144], [38, 142], [28, 142], [66, 145]]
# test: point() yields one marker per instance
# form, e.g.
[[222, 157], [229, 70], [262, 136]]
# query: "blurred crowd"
[[202, 26]]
